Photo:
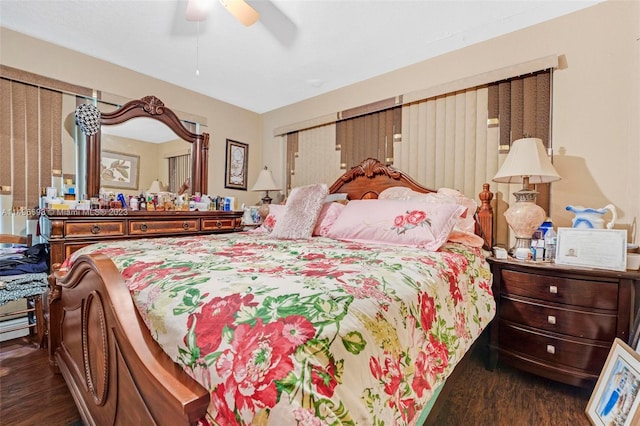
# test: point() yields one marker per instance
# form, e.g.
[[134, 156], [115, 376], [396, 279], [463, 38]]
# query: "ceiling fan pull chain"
[[197, 48]]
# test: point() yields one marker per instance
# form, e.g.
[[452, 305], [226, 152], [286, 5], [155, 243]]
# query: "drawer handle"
[[95, 229], [218, 224], [551, 319], [553, 289], [144, 227], [551, 349], [185, 225]]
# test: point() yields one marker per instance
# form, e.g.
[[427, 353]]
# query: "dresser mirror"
[[134, 144]]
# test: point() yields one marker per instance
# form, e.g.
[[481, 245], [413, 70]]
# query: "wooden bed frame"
[[116, 372]]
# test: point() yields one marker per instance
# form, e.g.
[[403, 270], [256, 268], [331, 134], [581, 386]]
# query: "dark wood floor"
[[506, 396], [30, 394]]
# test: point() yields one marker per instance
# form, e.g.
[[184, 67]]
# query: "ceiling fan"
[[197, 10]]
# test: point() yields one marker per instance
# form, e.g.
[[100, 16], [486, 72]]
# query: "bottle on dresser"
[[142, 203], [550, 242]]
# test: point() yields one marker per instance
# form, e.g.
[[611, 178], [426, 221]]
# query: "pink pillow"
[[327, 217], [466, 238], [276, 213], [408, 223], [397, 193], [466, 222], [301, 212]]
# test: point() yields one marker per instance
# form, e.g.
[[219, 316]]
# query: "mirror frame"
[[149, 107]]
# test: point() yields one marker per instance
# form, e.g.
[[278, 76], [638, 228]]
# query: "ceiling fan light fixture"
[[244, 13], [197, 10]]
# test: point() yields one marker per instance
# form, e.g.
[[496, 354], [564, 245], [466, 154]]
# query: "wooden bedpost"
[[485, 215]]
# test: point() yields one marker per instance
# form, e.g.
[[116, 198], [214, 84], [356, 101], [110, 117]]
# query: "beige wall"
[[596, 131], [223, 120]]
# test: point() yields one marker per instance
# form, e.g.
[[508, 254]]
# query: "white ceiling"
[[298, 49]]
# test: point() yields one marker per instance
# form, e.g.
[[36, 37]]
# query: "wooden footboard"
[[115, 371]]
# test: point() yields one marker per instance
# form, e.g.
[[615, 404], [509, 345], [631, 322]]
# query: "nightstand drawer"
[[560, 319], [553, 349], [226, 224], [108, 228], [146, 227], [592, 294]]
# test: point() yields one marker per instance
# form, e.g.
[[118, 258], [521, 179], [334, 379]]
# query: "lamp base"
[[524, 217], [520, 243], [263, 210]]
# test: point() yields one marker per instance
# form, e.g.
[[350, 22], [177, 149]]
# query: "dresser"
[[560, 322], [69, 230]]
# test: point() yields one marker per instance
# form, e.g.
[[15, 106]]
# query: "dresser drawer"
[[69, 249], [553, 349], [150, 227], [223, 224], [565, 319], [108, 228], [592, 294]]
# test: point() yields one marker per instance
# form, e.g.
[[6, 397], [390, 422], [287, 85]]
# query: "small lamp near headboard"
[[265, 183], [528, 163]]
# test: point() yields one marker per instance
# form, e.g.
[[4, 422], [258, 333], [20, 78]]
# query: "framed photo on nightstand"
[[615, 398]]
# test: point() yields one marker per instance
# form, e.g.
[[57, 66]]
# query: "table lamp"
[[527, 162], [265, 183], [156, 187]]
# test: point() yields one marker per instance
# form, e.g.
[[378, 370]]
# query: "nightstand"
[[559, 322]]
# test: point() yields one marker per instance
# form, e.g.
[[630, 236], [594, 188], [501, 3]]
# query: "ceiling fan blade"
[[244, 13]]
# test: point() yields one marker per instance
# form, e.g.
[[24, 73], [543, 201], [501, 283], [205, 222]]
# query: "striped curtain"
[[292, 153], [179, 171], [446, 143], [368, 136], [30, 141], [317, 160]]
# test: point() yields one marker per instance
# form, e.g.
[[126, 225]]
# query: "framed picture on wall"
[[119, 170], [615, 398], [237, 160]]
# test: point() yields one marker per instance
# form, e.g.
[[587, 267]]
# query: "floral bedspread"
[[318, 332]]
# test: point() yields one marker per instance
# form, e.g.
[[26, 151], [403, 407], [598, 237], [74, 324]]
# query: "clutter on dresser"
[[145, 201], [542, 247]]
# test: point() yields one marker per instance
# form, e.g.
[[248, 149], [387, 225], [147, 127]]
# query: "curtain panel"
[[370, 135], [179, 171], [317, 160], [446, 142], [30, 140]]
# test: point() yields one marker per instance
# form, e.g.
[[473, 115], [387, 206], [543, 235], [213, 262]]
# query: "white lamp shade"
[[155, 187], [265, 182], [527, 157]]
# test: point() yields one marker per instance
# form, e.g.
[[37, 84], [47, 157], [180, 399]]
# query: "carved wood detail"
[[95, 348], [150, 107]]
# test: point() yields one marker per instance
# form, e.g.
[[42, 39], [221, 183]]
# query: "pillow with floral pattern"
[[276, 213], [408, 223]]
